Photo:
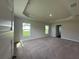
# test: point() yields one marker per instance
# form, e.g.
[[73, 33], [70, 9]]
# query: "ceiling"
[[19, 6], [46, 10]]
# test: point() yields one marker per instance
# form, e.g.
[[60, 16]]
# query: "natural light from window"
[[46, 29], [26, 29]]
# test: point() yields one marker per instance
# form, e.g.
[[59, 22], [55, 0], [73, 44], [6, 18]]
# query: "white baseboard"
[[54, 37], [71, 40], [68, 39]]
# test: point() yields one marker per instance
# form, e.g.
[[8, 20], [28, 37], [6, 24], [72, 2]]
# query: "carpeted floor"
[[48, 48]]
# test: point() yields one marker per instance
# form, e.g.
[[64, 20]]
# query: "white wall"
[[69, 29], [37, 29], [17, 30]]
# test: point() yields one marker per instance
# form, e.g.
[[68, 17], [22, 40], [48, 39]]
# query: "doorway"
[[58, 31]]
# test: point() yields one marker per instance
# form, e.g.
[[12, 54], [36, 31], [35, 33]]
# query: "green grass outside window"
[[26, 34]]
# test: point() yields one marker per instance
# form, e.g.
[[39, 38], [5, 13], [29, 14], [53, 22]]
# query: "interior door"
[[6, 32]]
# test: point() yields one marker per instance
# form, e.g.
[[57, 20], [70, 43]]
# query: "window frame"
[[46, 29], [26, 29]]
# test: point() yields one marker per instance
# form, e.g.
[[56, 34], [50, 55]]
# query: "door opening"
[[58, 31]]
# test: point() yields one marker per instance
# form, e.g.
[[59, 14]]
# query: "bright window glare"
[[20, 44], [46, 29], [26, 29], [26, 26]]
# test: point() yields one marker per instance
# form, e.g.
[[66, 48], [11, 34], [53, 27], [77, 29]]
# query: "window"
[[46, 29], [26, 29]]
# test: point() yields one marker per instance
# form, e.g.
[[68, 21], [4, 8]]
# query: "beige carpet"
[[49, 48]]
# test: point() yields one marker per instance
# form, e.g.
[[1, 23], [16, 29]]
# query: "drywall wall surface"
[[5, 9], [17, 30], [37, 29], [69, 30]]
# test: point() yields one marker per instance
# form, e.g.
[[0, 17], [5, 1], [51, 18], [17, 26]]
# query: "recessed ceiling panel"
[[46, 10], [43, 8]]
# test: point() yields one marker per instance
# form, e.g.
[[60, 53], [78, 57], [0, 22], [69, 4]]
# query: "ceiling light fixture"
[[50, 14]]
